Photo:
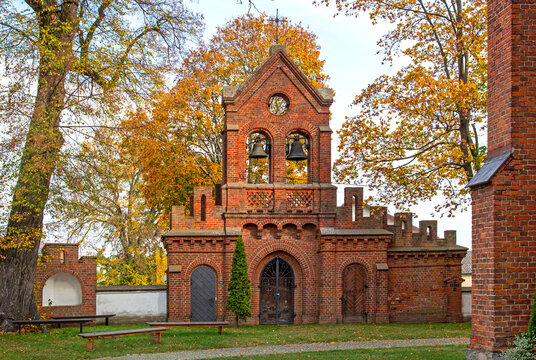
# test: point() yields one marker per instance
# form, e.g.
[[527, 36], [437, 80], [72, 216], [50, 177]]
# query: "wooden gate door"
[[354, 294], [277, 293], [203, 295]]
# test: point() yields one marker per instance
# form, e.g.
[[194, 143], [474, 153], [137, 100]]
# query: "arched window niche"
[[297, 155], [258, 160], [62, 289]]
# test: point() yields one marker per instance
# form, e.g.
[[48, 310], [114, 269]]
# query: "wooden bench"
[[217, 324], [58, 322], [106, 317], [155, 331]]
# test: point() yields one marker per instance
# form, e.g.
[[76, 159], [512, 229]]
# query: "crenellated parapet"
[[204, 211], [355, 214]]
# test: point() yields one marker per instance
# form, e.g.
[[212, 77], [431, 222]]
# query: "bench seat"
[[218, 324], [59, 322], [155, 331], [105, 316]]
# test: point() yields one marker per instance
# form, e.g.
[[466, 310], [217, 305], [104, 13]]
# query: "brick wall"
[[504, 211], [84, 269], [302, 224], [424, 287]]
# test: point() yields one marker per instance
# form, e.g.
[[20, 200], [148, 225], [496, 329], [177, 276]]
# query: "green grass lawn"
[[65, 344], [449, 352]]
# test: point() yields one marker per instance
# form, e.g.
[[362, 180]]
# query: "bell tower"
[[277, 139], [309, 260]]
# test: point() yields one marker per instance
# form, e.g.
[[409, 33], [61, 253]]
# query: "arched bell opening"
[[297, 158], [258, 159]]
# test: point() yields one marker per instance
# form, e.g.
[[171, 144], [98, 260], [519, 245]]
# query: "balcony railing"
[[260, 199], [300, 200], [280, 200]]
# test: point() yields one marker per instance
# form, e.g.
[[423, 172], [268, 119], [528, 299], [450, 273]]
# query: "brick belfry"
[[309, 259], [504, 190]]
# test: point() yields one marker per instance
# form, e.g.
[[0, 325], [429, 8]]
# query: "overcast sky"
[[348, 45]]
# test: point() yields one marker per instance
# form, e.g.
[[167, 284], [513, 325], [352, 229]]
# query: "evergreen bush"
[[532, 320], [522, 350], [239, 290], [525, 344]]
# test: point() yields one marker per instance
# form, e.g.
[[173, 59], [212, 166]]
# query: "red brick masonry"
[[84, 269], [504, 201], [411, 275]]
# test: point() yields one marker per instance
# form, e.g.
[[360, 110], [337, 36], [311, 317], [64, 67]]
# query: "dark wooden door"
[[354, 294], [203, 295], [277, 293]]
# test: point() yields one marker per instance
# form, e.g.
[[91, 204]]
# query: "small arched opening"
[[354, 208], [203, 208]]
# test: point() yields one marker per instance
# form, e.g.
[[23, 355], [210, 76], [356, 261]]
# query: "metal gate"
[[354, 294], [203, 294], [277, 293]]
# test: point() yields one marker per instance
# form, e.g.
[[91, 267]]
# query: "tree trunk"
[[466, 144], [19, 248]]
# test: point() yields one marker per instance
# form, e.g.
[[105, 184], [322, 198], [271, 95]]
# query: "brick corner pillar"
[[504, 190], [382, 294], [327, 284]]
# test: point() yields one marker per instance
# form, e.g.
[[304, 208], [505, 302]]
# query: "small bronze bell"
[[296, 152], [258, 151]]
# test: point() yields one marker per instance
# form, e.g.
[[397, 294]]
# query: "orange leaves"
[[417, 133], [181, 143]]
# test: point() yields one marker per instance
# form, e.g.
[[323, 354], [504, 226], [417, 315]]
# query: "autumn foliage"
[[179, 136], [65, 64], [416, 133]]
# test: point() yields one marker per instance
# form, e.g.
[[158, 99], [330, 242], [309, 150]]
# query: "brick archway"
[[354, 294], [370, 300], [276, 291], [302, 279]]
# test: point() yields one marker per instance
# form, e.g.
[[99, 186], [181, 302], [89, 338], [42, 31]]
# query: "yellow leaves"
[[296, 172], [417, 132], [181, 144]]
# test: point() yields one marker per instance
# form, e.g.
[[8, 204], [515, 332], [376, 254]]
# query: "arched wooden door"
[[354, 294], [203, 295], [277, 293]]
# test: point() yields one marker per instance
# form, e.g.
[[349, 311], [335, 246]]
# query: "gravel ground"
[[292, 348]]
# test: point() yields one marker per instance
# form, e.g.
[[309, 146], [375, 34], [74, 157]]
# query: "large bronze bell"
[[258, 151], [296, 152]]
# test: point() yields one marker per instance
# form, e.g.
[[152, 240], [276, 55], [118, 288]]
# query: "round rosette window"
[[278, 104]]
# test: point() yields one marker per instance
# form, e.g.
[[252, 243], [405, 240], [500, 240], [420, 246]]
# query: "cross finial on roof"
[[277, 20]]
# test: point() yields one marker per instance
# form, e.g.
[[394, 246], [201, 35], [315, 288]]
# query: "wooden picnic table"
[[156, 331], [58, 322], [106, 316], [218, 324]]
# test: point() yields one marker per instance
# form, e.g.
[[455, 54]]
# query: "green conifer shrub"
[[239, 298], [532, 320]]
